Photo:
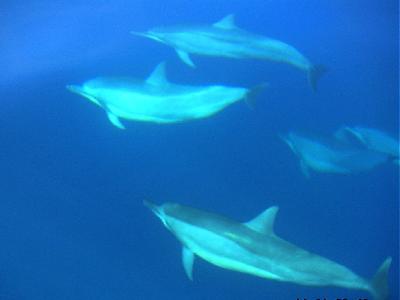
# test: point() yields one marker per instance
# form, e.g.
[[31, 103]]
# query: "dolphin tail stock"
[[379, 285], [252, 94], [315, 72]]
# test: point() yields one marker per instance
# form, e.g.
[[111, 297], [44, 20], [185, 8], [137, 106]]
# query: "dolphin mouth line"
[[157, 211], [147, 35], [76, 89], [153, 207]]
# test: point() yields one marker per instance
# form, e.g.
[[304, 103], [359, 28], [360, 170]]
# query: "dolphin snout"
[[153, 207], [74, 88], [284, 138], [148, 35], [157, 210], [138, 33]]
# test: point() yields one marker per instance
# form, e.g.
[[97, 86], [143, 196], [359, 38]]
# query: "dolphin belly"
[[222, 251], [291, 265]]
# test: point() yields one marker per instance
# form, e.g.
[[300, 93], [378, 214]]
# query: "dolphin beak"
[[287, 140], [146, 35], [284, 139], [157, 210], [74, 88], [153, 207]]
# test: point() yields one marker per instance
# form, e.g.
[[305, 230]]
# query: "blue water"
[[72, 223]]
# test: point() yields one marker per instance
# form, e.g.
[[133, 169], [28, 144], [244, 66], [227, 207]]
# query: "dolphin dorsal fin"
[[157, 77], [227, 22], [264, 222]]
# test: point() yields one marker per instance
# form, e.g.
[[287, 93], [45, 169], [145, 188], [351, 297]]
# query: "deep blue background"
[[72, 223]]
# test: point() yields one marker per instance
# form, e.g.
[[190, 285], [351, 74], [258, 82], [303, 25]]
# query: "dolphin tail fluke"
[[314, 74], [253, 93], [379, 284]]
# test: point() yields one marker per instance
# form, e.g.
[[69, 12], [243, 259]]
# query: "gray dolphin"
[[158, 100], [331, 156], [373, 139], [225, 39], [255, 249]]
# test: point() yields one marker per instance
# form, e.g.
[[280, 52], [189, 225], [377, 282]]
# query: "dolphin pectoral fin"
[[187, 261], [184, 56], [114, 120], [305, 169]]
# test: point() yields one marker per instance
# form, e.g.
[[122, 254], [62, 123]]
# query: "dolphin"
[[331, 156], [373, 139], [225, 39], [158, 100], [255, 249]]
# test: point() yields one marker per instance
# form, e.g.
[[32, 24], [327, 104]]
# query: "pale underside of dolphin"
[[332, 156], [371, 138], [225, 39], [255, 249], [156, 99]]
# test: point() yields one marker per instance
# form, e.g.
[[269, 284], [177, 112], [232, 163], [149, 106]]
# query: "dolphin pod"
[[255, 249], [156, 99], [250, 247], [225, 39]]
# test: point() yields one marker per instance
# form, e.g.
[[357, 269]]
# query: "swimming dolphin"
[[331, 156], [373, 139], [255, 249], [225, 39], [156, 99]]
